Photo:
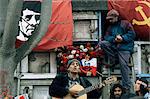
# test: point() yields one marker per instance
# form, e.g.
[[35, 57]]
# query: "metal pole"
[[18, 79]]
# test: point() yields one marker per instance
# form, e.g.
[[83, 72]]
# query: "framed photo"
[[85, 26], [39, 62], [89, 66]]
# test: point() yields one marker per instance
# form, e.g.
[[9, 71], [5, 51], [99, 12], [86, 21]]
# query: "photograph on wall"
[[88, 66], [39, 62], [86, 30]]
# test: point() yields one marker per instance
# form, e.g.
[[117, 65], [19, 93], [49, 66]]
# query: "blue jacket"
[[125, 29]]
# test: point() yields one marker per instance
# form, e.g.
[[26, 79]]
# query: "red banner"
[[137, 12], [59, 31]]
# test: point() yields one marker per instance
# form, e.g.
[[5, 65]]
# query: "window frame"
[[24, 64], [93, 17]]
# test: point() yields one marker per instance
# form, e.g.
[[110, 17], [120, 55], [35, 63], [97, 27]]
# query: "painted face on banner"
[[29, 20]]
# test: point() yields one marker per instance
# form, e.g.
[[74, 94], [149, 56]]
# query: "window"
[[85, 26], [40, 92], [39, 65], [39, 62]]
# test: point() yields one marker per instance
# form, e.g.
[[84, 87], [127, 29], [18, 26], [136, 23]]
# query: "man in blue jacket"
[[118, 43]]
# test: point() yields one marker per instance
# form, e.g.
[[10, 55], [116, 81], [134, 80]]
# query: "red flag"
[[60, 30], [137, 12]]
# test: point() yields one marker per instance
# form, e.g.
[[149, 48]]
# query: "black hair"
[[88, 53], [143, 80], [112, 96], [143, 88], [32, 5]]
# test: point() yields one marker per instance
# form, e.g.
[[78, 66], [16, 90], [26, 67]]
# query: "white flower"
[[81, 47], [59, 55], [71, 56], [81, 50], [73, 51], [77, 55], [85, 50], [92, 48]]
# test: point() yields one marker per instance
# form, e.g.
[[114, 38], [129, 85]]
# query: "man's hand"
[[118, 39], [73, 93]]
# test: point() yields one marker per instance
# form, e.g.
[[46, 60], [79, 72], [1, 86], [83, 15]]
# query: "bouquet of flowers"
[[79, 52]]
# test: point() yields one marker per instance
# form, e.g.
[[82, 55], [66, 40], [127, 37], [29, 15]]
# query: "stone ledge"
[[80, 5]]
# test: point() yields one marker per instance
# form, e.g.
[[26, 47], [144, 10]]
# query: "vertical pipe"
[[139, 58], [18, 79], [99, 25]]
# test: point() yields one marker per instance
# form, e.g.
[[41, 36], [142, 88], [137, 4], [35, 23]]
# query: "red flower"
[[93, 54], [88, 44], [65, 60], [78, 51], [70, 48]]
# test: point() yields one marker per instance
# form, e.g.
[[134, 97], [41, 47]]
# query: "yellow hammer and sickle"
[[140, 10]]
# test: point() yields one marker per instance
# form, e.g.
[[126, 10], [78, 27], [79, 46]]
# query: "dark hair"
[[72, 60], [143, 88], [88, 53], [112, 96], [143, 80], [32, 5]]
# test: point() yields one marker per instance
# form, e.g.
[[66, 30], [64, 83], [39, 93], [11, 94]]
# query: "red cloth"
[[60, 30], [127, 10], [22, 97], [86, 69]]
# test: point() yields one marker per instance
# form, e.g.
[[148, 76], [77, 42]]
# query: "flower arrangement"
[[79, 52]]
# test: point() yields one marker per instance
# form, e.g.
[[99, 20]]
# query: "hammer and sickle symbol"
[[140, 10]]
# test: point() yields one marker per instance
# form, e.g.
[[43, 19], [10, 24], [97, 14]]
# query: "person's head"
[[73, 66], [30, 18], [141, 85], [87, 56], [112, 16], [116, 91]]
